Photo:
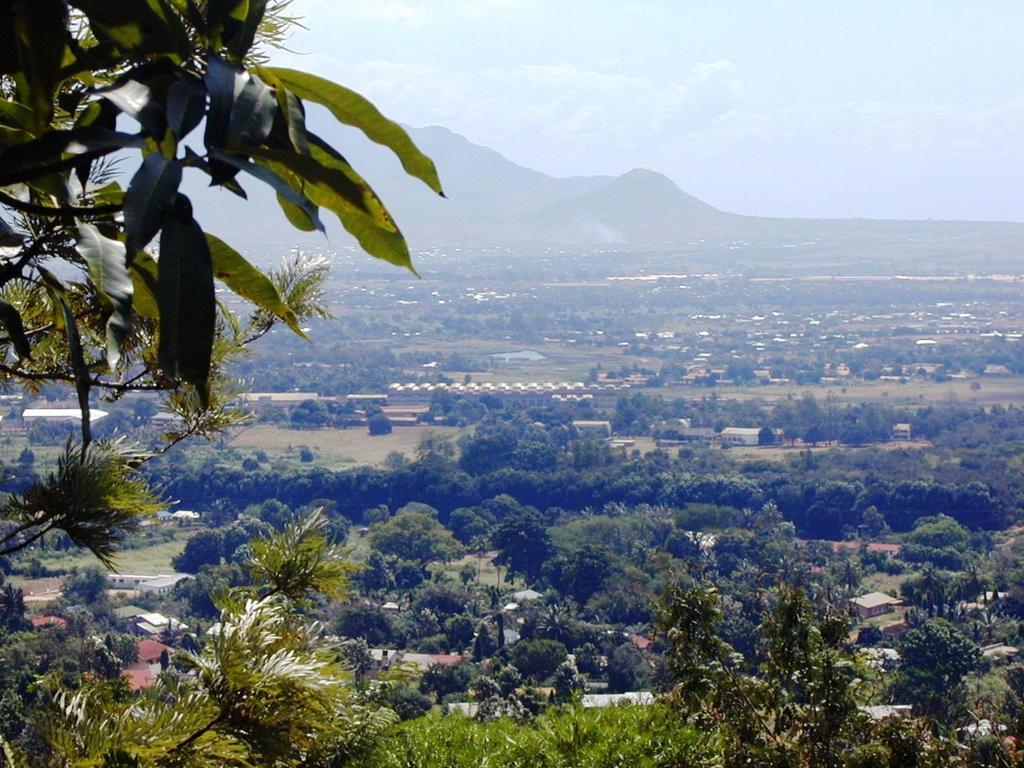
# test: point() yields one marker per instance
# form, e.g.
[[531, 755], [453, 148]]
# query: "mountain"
[[492, 201]]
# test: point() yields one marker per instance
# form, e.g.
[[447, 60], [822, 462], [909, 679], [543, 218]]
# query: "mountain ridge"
[[493, 201]]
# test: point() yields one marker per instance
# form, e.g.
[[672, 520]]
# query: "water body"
[[520, 356]]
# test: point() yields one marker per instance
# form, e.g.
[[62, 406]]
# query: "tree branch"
[[62, 210], [26, 542]]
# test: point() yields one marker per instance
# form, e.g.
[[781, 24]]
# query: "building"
[[874, 604], [32, 415], [592, 428], [526, 595], [166, 419], [45, 620], [740, 436], [269, 401], [156, 625], [362, 400], [523, 394], [901, 431], [154, 584]]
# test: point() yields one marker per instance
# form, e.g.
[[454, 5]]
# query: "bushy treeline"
[[820, 508]]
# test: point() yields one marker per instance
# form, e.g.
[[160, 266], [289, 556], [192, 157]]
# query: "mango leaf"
[[105, 259], [356, 206], [223, 80], [185, 295], [136, 26], [275, 180], [252, 114], [149, 198], [15, 115], [76, 356], [225, 20], [145, 278], [136, 100], [243, 278], [10, 318], [186, 105], [291, 107], [40, 28], [352, 109], [297, 217], [58, 150], [242, 41]]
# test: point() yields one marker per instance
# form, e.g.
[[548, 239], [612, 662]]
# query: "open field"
[[486, 571], [336, 447], [145, 553]]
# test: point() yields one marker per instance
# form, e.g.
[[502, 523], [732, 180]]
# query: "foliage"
[[264, 688], [639, 737], [86, 87], [935, 659], [416, 536]]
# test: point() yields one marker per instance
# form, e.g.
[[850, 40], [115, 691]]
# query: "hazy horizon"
[[794, 109]]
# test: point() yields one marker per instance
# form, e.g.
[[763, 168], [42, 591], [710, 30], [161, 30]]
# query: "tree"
[[379, 424], [12, 608], [83, 303], [627, 669], [263, 689], [205, 548], [935, 658], [416, 536], [522, 541], [538, 658]]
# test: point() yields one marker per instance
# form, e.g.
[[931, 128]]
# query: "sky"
[[907, 109]]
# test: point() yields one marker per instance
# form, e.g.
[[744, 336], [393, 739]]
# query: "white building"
[[740, 435], [30, 415], [154, 584]]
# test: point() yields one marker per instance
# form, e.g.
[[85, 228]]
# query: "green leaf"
[[40, 26], [109, 272], [15, 115], [225, 20], [271, 177], [340, 190], [185, 295], [352, 109], [145, 278], [240, 44], [10, 318], [136, 100], [59, 150], [83, 381], [136, 26], [223, 80], [252, 114], [295, 215], [243, 278], [149, 198], [290, 107], [186, 105]]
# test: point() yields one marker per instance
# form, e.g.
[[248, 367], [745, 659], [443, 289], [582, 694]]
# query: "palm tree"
[[555, 622], [12, 608]]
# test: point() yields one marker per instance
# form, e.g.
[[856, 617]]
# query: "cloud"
[[563, 112], [742, 153], [380, 11], [408, 12]]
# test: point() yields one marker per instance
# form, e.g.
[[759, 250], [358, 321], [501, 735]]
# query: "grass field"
[[336, 447], [487, 572], [144, 553]]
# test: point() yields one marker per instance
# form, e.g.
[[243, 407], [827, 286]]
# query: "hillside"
[[492, 201]]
